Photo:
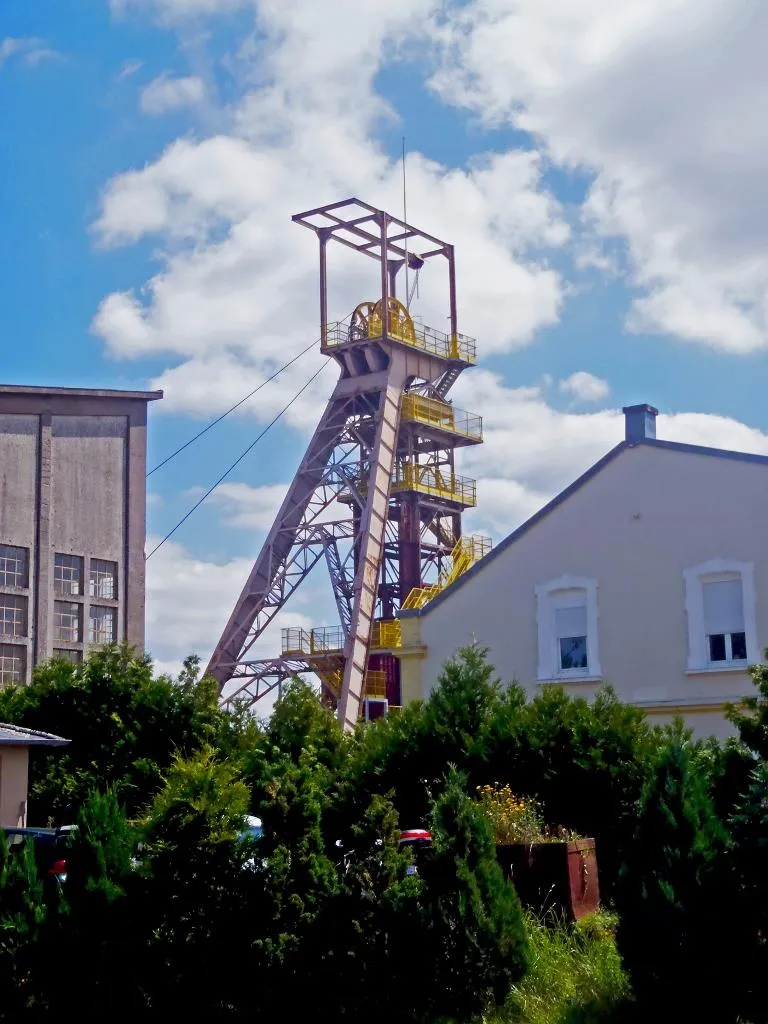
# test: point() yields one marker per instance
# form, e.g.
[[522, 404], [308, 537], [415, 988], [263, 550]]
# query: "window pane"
[[65, 654], [570, 622], [66, 622], [739, 646], [103, 579], [13, 615], [13, 659], [573, 652], [101, 629], [717, 647], [13, 566], [723, 606], [67, 574]]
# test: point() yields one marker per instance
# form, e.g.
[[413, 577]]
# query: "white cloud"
[[248, 508], [236, 292], [165, 94], [28, 48], [585, 387], [662, 103], [128, 68]]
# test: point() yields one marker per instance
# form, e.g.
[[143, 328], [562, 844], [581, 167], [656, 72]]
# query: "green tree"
[[407, 754], [474, 941], [22, 918], [124, 726], [195, 900], [748, 936], [669, 898], [584, 761], [92, 944]]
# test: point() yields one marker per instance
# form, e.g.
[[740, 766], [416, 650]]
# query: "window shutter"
[[571, 621], [723, 607]]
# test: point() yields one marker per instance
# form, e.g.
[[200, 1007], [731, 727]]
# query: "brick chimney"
[[639, 423]]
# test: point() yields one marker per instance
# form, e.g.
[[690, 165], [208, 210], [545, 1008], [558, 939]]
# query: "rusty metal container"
[[559, 876]]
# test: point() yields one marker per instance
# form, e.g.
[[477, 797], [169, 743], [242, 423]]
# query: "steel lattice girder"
[[262, 677]]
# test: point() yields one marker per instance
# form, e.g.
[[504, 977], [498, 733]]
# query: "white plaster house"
[[650, 573]]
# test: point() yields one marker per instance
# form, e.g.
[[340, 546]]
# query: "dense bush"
[[168, 910]]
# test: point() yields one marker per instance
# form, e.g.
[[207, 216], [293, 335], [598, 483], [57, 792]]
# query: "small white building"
[[650, 572]]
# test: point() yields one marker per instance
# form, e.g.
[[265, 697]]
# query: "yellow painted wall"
[[14, 762]]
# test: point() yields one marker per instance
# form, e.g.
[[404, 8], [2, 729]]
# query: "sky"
[[599, 167]]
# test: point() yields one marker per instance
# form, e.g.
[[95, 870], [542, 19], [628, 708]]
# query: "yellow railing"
[[375, 684], [442, 416], [385, 634], [430, 480], [466, 552], [424, 338]]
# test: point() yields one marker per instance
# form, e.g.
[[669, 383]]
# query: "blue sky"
[[152, 154]]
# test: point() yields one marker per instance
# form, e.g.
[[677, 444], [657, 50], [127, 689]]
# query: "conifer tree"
[[474, 939], [669, 901]]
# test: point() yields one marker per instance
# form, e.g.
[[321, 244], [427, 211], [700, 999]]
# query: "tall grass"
[[575, 975]]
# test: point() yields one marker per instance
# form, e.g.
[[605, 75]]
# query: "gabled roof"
[[672, 446], [16, 736]]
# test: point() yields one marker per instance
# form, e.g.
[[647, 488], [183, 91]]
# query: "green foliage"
[[749, 889], [584, 763], [124, 726], [89, 941], [575, 975], [22, 919], [670, 900], [194, 890], [180, 915], [751, 717], [474, 925]]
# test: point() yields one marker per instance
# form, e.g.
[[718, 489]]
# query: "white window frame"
[[549, 647], [710, 572]]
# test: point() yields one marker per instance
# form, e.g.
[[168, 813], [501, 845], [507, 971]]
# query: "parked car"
[[51, 848], [419, 842]]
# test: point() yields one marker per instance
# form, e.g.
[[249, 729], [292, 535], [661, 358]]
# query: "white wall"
[[635, 526]]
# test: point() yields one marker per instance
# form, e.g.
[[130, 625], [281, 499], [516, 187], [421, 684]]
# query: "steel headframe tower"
[[384, 447]]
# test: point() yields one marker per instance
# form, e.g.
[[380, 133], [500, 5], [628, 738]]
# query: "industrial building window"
[[14, 566], [720, 604], [103, 579], [67, 574], [567, 624], [13, 615], [67, 621], [101, 628], [13, 659], [66, 654]]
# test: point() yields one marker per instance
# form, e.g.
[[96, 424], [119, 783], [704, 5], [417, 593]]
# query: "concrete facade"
[[631, 545], [72, 522]]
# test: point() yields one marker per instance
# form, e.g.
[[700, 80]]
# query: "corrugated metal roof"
[[16, 736]]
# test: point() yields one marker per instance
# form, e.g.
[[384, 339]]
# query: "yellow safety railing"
[[375, 684], [430, 480], [466, 551], [442, 416], [386, 633], [458, 346]]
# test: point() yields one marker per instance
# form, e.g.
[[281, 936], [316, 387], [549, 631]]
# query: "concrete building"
[[650, 573], [14, 770], [72, 522]]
